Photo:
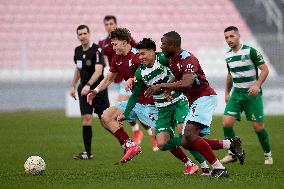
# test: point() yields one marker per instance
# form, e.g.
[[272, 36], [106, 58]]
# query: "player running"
[[126, 61], [190, 78]]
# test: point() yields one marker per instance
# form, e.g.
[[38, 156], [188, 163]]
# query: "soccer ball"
[[34, 165]]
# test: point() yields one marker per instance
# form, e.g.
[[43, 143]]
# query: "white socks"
[[218, 165]]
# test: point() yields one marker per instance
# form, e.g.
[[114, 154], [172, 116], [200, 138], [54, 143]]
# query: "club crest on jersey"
[[88, 62], [118, 63], [243, 58]]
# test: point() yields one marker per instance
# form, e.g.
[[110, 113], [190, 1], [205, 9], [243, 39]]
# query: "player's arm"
[[258, 60], [229, 85], [137, 88], [102, 86], [98, 72], [184, 84], [75, 79], [99, 67], [264, 71]]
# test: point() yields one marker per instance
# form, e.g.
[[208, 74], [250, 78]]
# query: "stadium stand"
[[38, 37]]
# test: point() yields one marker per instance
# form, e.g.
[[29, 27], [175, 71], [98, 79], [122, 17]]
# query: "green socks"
[[197, 156], [229, 132], [264, 140], [172, 143]]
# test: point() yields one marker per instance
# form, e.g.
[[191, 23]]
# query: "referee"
[[89, 69]]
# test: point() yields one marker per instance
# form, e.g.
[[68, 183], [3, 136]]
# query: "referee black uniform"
[[85, 62]]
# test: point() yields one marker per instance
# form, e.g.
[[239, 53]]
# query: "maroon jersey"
[[187, 63], [126, 67], [108, 51]]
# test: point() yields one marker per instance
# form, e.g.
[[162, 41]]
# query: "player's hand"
[[253, 90], [129, 84], [227, 96], [152, 90], [168, 95], [72, 92], [90, 96], [120, 118], [85, 90]]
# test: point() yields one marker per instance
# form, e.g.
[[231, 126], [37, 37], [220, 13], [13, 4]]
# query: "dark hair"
[[121, 34], [83, 27], [231, 28], [110, 17], [174, 38], [146, 43]]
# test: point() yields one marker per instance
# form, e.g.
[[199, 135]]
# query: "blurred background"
[[38, 37]]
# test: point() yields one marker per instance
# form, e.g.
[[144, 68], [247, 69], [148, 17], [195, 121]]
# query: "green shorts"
[[251, 105], [170, 116]]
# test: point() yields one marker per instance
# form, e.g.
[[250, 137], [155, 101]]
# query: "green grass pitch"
[[56, 139]]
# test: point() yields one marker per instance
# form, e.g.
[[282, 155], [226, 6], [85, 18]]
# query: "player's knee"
[[161, 145], [87, 120], [185, 142], [228, 122], [258, 126]]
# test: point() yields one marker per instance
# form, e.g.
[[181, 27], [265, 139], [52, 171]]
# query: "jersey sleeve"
[[163, 59], [137, 88], [256, 57], [113, 66], [99, 57]]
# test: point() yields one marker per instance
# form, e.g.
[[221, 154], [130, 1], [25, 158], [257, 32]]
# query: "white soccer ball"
[[34, 165]]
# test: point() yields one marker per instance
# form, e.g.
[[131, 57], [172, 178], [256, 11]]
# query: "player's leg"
[[86, 115], [166, 123], [124, 95], [232, 113], [254, 113], [199, 118], [110, 123]]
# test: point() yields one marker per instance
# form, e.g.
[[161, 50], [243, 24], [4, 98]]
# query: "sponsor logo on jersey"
[[189, 68], [79, 64], [130, 63]]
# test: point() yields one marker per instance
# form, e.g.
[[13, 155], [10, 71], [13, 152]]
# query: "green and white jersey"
[[243, 67], [158, 73]]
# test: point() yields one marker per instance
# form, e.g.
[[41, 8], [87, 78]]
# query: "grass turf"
[[56, 138]]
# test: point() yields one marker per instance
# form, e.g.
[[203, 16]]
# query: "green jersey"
[[243, 67], [148, 76]]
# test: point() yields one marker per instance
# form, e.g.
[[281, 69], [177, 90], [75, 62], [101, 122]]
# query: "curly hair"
[[146, 43], [121, 34]]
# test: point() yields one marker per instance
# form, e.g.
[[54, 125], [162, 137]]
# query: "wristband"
[[97, 90], [88, 84]]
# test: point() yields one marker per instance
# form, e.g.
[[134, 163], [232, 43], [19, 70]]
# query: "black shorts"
[[99, 105]]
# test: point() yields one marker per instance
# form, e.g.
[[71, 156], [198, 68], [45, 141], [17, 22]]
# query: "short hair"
[[121, 34], [146, 43], [110, 17], [83, 27], [174, 37], [231, 28]]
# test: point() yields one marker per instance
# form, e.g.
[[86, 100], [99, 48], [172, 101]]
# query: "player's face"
[[119, 46], [83, 36], [167, 47], [147, 57], [110, 25], [232, 38]]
